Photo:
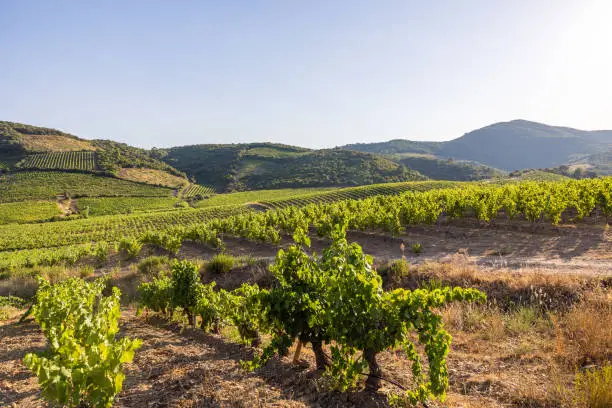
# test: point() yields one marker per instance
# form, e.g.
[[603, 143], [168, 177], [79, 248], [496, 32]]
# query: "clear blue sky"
[[311, 73]]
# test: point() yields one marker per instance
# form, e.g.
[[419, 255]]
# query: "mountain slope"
[[600, 163], [267, 165], [37, 148], [446, 169], [517, 144]]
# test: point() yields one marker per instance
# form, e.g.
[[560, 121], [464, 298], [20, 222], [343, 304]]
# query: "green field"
[[126, 205], [30, 211], [47, 185], [107, 228], [194, 190], [354, 193], [246, 197], [85, 161]]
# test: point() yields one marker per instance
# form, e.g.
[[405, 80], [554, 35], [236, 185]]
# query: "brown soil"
[[179, 367], [567, 249], [182, 367]]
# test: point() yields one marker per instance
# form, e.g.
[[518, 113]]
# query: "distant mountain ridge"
[[485, 153], [513, 145]]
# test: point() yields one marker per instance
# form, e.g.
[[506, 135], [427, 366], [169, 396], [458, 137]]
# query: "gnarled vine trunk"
[[320, 356], [373, 382]]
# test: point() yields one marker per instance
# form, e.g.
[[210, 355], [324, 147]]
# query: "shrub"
[[185, 281], [101, 251], [156, 295], [210, 306], [593, 388], [523, 320], [162, 240], [580, 335], [221, 263], [129, 247], [398, 269], [83, 363], [417, 248], [153, 265]]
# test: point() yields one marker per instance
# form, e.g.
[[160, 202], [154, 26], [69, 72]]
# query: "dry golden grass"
[[584, 334], [55, 143], [151, 176]]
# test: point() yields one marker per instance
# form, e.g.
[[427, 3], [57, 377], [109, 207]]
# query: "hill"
[[517, 144], [25, 147], [445, 169], [240, 167], [600, 163]]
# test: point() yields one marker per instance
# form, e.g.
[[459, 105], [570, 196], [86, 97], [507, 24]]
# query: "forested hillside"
[[518, 144], [265, 166]]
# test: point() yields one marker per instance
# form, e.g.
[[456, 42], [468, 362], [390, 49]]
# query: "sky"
[[309, 73]]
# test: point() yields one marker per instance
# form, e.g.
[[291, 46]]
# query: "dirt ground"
[[584, 249], [178, 367], [189, 368]]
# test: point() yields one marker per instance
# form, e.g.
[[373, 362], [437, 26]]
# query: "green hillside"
[[446, 169], [48, 185], [599, 163], [25, 147], [271, 166]]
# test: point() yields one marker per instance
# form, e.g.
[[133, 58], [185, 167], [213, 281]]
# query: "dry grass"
[[151, 176], [54, 143], [508, 289], [584, 334]]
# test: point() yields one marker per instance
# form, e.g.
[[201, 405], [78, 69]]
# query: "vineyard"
[[84, 161], [127, 205], [356, 193], [109, 228], [196, 190], [48, 185], [364, 330], [25, 212], [248, 197], [534, 202]]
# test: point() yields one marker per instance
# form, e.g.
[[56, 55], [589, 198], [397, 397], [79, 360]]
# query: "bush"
[[153, 265], [156, 295], [101, 251], [83, 365], [129, 247], [593, 388], [417, 248], [185, 282], [210, 306], [398, 270], [221, 263], [162, 240], [580, 334]]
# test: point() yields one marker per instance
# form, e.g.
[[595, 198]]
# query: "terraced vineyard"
[[193, 190], [258, 196], [127, 205], [357, 193], [531, 201], [84, 161], [30, 211], [105, 228], [12, 263], [47, 185]]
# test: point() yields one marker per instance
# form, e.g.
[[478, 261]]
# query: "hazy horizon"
[[313, 74]]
